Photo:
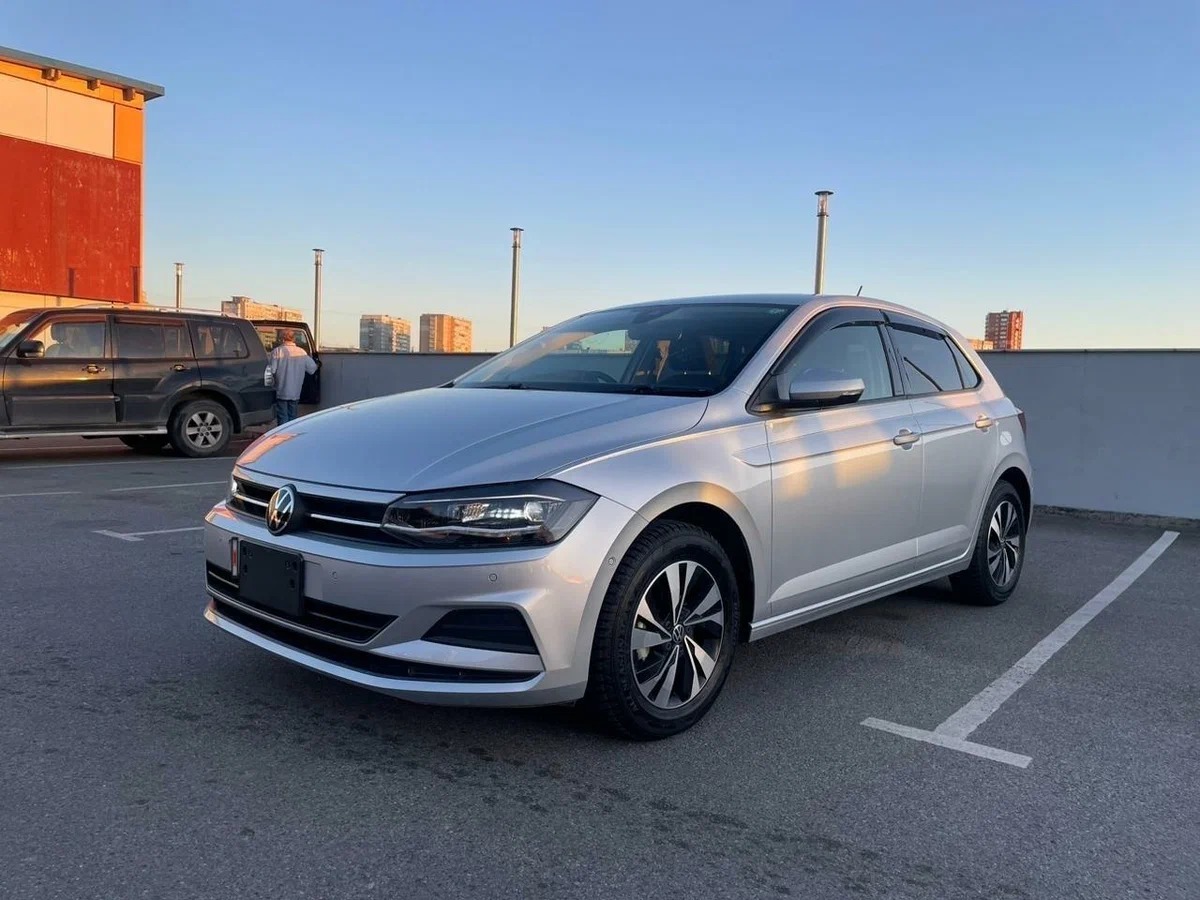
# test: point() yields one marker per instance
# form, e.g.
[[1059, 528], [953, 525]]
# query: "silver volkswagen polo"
[[604, 512]]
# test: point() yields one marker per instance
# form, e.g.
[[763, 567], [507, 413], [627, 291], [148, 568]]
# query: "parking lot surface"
[[145, 753]]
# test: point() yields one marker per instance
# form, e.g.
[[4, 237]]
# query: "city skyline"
[[981, 157]]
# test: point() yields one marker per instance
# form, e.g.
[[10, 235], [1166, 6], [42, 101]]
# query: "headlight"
[[504, 515]]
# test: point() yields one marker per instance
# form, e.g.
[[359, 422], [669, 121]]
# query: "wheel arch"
[[206, 393]]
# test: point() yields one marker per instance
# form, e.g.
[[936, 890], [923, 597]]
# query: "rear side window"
[[272, 335], [219, 340], [970, 377], [927, 360], [152, 340]]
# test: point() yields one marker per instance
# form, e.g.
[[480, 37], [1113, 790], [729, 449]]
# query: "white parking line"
[[134, 536], [125, 462], [41, 494], [156, 487], [953, 732]]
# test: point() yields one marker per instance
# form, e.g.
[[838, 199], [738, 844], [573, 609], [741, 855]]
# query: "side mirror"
[[814, 391], [31, 350]]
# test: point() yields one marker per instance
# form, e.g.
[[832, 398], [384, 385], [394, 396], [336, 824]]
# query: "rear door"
[[153, 361], [71, 386], [271, 334], [228, 362], [961, 442]]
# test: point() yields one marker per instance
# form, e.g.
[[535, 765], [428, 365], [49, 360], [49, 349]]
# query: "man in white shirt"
[[289, 365]]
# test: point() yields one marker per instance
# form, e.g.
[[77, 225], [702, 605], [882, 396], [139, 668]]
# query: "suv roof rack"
[[150, 308]]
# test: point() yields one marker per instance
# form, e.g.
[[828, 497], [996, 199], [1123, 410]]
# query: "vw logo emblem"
[[281, 509]]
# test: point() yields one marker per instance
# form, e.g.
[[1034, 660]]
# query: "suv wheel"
[[666, 634], [201, 428], [999, 553], [145, 443]]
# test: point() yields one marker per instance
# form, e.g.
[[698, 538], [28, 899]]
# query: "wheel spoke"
[[704, 607], [703, 662], [662, 691], [644, 639], [645, 616]]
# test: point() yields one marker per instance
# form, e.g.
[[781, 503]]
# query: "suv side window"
[[928, 363], [73, 338], [846, 351], [970, 377], [152, 340], [219, 340]]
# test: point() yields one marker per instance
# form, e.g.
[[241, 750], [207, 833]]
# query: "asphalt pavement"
[[143, 753]]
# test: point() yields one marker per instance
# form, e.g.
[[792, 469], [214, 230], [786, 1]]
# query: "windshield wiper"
[[680, 391]]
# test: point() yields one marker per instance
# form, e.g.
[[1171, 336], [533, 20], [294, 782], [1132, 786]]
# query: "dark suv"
[[148, 376]]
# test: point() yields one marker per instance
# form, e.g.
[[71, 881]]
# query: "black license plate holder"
[[271, 578]]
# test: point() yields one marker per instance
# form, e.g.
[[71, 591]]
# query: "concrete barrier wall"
[[1116, 431], [1112, 430]]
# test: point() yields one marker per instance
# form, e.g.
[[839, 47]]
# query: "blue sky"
[[1033, 155]]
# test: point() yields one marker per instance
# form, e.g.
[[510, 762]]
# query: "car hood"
[[450, 437]]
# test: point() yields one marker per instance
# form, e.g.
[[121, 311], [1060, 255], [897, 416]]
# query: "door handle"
[[93, 369], [905, 438], [984, 423], [178, 367]]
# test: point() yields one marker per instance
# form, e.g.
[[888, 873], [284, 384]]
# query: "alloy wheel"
[[677, 633], [203, 429], [1004, 543]]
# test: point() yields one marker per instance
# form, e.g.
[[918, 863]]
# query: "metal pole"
[[179, 285], [516, 285], [318, 255], [822, 220]]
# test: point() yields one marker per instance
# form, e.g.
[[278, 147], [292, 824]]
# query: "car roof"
[[798, 301], [128, 309]]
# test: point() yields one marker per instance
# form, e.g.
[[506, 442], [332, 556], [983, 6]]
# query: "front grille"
[[327, 618], [483, 629], [360, 659], [353, 519]]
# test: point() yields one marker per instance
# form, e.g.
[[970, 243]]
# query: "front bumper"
[[557, 590]]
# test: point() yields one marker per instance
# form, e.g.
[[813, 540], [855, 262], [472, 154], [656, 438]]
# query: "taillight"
[[1021, 419]]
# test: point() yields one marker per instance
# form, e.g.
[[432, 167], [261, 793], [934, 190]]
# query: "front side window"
[[847, 351], [685, 349], [927, 361], [73, 338], [152, 340]]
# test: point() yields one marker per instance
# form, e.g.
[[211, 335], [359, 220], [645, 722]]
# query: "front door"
[[961, 444], [846, 481], [153, 361], [70, 387]]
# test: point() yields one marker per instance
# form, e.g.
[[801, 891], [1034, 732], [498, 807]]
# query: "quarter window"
[[219, 340], [152, 340], [927, 361], [970, 377], [847, 351]]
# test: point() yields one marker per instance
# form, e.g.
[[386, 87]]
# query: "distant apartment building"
[[246, 308], [1005, 329], [384, 334], [980, 344], [441, 333]]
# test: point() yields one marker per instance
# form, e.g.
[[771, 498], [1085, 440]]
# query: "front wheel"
[[666, 634], [201, 428], [999, 554]]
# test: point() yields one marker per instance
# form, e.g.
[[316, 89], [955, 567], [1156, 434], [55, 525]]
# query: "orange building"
[[442, 333], [71, 151]]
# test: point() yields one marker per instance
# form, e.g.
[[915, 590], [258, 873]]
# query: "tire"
[[999, 555], [201, 428], [146, 443], [637, 692]]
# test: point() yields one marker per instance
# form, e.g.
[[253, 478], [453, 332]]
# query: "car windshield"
[[682, 349], [12, 325]]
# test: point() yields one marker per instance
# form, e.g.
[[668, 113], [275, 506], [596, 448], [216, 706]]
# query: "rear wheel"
[[201, 428], [146, 443], [999, 553], [666, 634]]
